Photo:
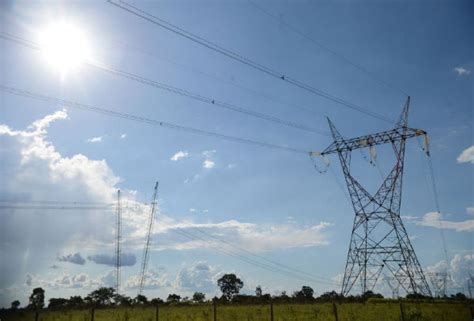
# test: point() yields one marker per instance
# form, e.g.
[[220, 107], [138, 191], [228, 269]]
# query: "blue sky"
[[271, 202]]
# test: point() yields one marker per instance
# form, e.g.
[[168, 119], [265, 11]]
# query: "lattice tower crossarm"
[[379, 240]]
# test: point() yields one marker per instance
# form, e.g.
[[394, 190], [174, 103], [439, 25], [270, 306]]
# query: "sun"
[[64, 46]]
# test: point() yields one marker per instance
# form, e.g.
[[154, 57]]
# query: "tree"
[[459, 296], [330, 296], [173, 298], [15, 305], [230, 285], [156, 301], [37, 299], [140, 299], [57, 303], [306, 293], [258, 291], [123, 300], [101, 296], [369, 294], [199, 297], [75, 301]]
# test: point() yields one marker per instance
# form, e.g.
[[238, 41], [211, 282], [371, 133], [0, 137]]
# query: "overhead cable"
[[172, 89], [145, 120], [324, 47], [244, 60]]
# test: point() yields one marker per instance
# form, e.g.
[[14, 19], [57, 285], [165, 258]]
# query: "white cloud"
[[467, 155], [208, 163], [230, 166], [459, 269], [66, 280], [123, 136], [200, 276], [37, 172], [179, 155], [97, 139], [434, 219], [254, 237], [192, 210], [209, 153], [461, 71], [155, 278], [470, 210]]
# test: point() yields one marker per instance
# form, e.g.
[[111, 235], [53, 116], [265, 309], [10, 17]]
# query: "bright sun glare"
[[64, 46]]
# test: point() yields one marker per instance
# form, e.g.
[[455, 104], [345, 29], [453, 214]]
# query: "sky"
[[268, 205]]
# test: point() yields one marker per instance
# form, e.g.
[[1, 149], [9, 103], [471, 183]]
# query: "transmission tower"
[[118, 232], [439, 281], [148, 238], [470, 286], [393, 285], [379, 240]]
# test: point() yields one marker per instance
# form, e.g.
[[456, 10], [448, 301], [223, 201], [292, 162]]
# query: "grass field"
[[372, 311]]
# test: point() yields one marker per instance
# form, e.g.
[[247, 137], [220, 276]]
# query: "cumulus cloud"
[[208, 163], [200, 276], [461, 71], [75, 258], [179, 155], [254, 237], [155, 278], [435, 220], [126, 259], [36, 172], [459, 269], [467, 155], [97, 139], [123, 136], [72, 281]]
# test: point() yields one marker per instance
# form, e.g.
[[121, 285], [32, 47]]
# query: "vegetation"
[[104, 304]]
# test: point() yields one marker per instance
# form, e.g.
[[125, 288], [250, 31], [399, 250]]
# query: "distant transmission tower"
[[439, 281], [118, 232], [379, 240], [393, 285], [148, 238], [470, 286]]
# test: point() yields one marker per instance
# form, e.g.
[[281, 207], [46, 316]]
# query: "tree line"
[[229, 284]]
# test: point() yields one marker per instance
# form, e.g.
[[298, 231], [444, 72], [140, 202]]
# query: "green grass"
[[371, 311]]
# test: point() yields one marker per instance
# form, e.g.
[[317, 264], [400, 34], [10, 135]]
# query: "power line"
[[223, 80], [54, 202], [436, 200], [172, 89], [237, 57], [64, 207], [261, 256], [149, 121], [254, 262], [322, 46]]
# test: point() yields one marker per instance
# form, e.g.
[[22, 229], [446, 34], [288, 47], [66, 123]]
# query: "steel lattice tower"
[[379, 240]]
